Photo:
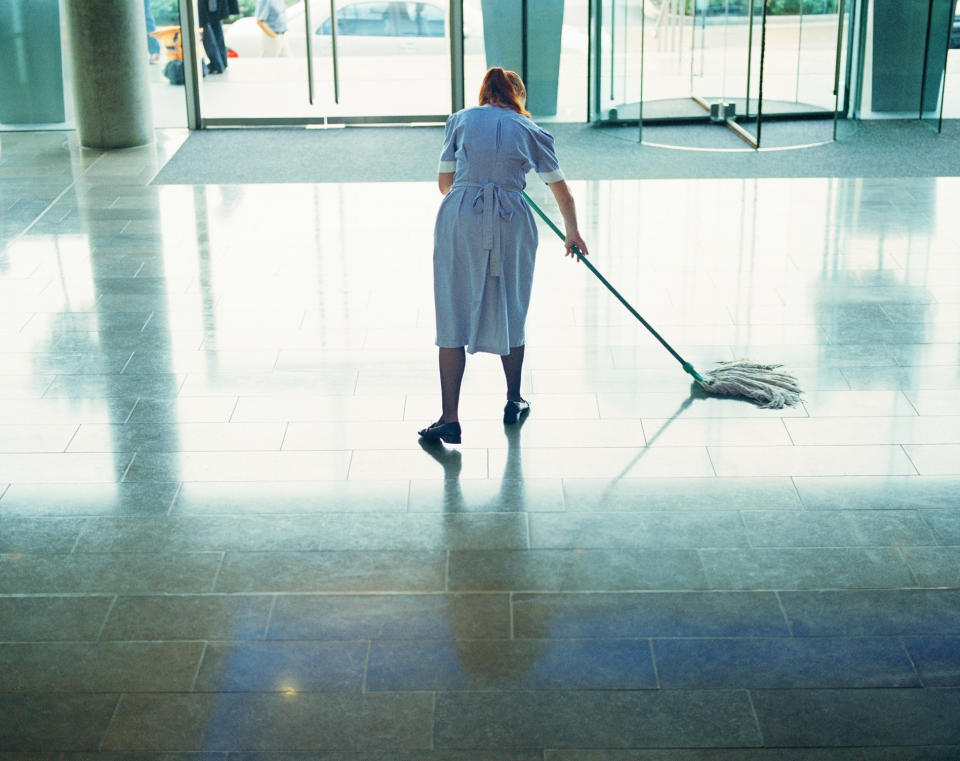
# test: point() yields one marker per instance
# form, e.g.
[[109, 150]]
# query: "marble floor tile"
[[222, 540], [817, 460]]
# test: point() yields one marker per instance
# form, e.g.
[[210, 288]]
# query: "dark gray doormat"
[[887, 148]]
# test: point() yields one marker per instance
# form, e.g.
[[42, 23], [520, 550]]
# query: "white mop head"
[[764, 384]]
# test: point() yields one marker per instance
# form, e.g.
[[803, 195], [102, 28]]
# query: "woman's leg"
[[512, 369], [452, 364]]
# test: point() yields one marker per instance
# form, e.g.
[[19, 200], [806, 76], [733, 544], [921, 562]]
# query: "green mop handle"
[[687, 367]]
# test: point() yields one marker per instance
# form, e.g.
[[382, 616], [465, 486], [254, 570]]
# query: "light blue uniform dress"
[[485, 239]]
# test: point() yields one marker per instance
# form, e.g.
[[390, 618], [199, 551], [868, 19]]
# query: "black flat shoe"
[[446, 432], [513, 411]]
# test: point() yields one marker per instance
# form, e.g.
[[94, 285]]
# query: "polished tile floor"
[[221, 539]]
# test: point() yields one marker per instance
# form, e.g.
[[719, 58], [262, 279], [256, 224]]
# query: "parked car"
[[364, 27]]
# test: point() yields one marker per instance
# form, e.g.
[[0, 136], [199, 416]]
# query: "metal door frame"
[[196, 120]]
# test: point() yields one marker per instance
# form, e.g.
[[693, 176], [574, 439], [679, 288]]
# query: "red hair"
[[503, 88]]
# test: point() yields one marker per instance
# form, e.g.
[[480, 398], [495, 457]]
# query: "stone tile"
[[934, 566], [672, 494], [710, 754], [64, 411], [48, 722], [188, 617], [291, 497], [66, 468], [830, 528], [805, 568], [359, 531], [663, 530], [142, 499], [811, 461], [936, 401], [945, 525], [239, 466], [153, 386], [472, 664], [869, 430], [575, 570], [24, 534], [402, 616], [332, 572], [393, 464], [396, 755], [577, 719], [785, 662], [35, 438], [178, 437], [916, 753], [609, 463], [937, 659], [298, 721], [123, 573], [858, 717], [878, 492], [182, 409], [873, 613], [935, 459], [653, 614], [466, 495], [46, 619], [99, 667], [282, 667], [318, 408]]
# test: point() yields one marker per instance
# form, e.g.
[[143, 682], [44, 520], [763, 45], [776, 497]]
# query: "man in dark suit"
[[211, 16]]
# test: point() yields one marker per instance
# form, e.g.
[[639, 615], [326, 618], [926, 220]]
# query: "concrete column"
[[111, 91]]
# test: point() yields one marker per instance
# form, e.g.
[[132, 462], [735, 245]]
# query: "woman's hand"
[[574, 239]]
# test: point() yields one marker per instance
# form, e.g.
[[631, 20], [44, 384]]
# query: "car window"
[[388, 19]]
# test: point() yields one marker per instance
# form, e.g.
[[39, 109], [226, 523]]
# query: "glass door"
[[939, 38], [740, 63], [333, 61]]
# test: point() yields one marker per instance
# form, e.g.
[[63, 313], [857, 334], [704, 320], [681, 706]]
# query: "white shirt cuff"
[[447, 166], [551, 176]]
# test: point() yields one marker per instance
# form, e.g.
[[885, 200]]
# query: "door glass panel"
[[552, 60], [939, 31], [951, 97], [393, 59]]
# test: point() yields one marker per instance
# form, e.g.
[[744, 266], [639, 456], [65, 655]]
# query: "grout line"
[[510, 610], [366, 668], [233, 411], [273, 607], [216, 575], [113, 717], [129, 465], [653, 660], [913, 664], [283, 438], [783, 610], [72, 437], [130, 414], [123, 369], [756, 718], [106, 618], [147, 321], [173, 501], [196, 674]]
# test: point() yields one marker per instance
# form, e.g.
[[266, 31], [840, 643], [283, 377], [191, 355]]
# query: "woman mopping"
[[485, 240]]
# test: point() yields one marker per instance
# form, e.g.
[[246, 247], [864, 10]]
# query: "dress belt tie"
[[487, 202]]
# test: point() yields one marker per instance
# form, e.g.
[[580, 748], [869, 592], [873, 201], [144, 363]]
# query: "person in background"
[[271, 16], [485, 240], [210, 16], [153, 44]]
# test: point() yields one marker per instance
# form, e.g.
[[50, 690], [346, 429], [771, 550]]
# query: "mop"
[[766, 385]]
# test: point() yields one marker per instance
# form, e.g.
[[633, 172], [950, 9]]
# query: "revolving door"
[[735, 63]]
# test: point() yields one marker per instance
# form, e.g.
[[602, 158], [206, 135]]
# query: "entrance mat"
[[884, 148]]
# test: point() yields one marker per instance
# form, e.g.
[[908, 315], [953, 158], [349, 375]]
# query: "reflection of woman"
[[485, 239]]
